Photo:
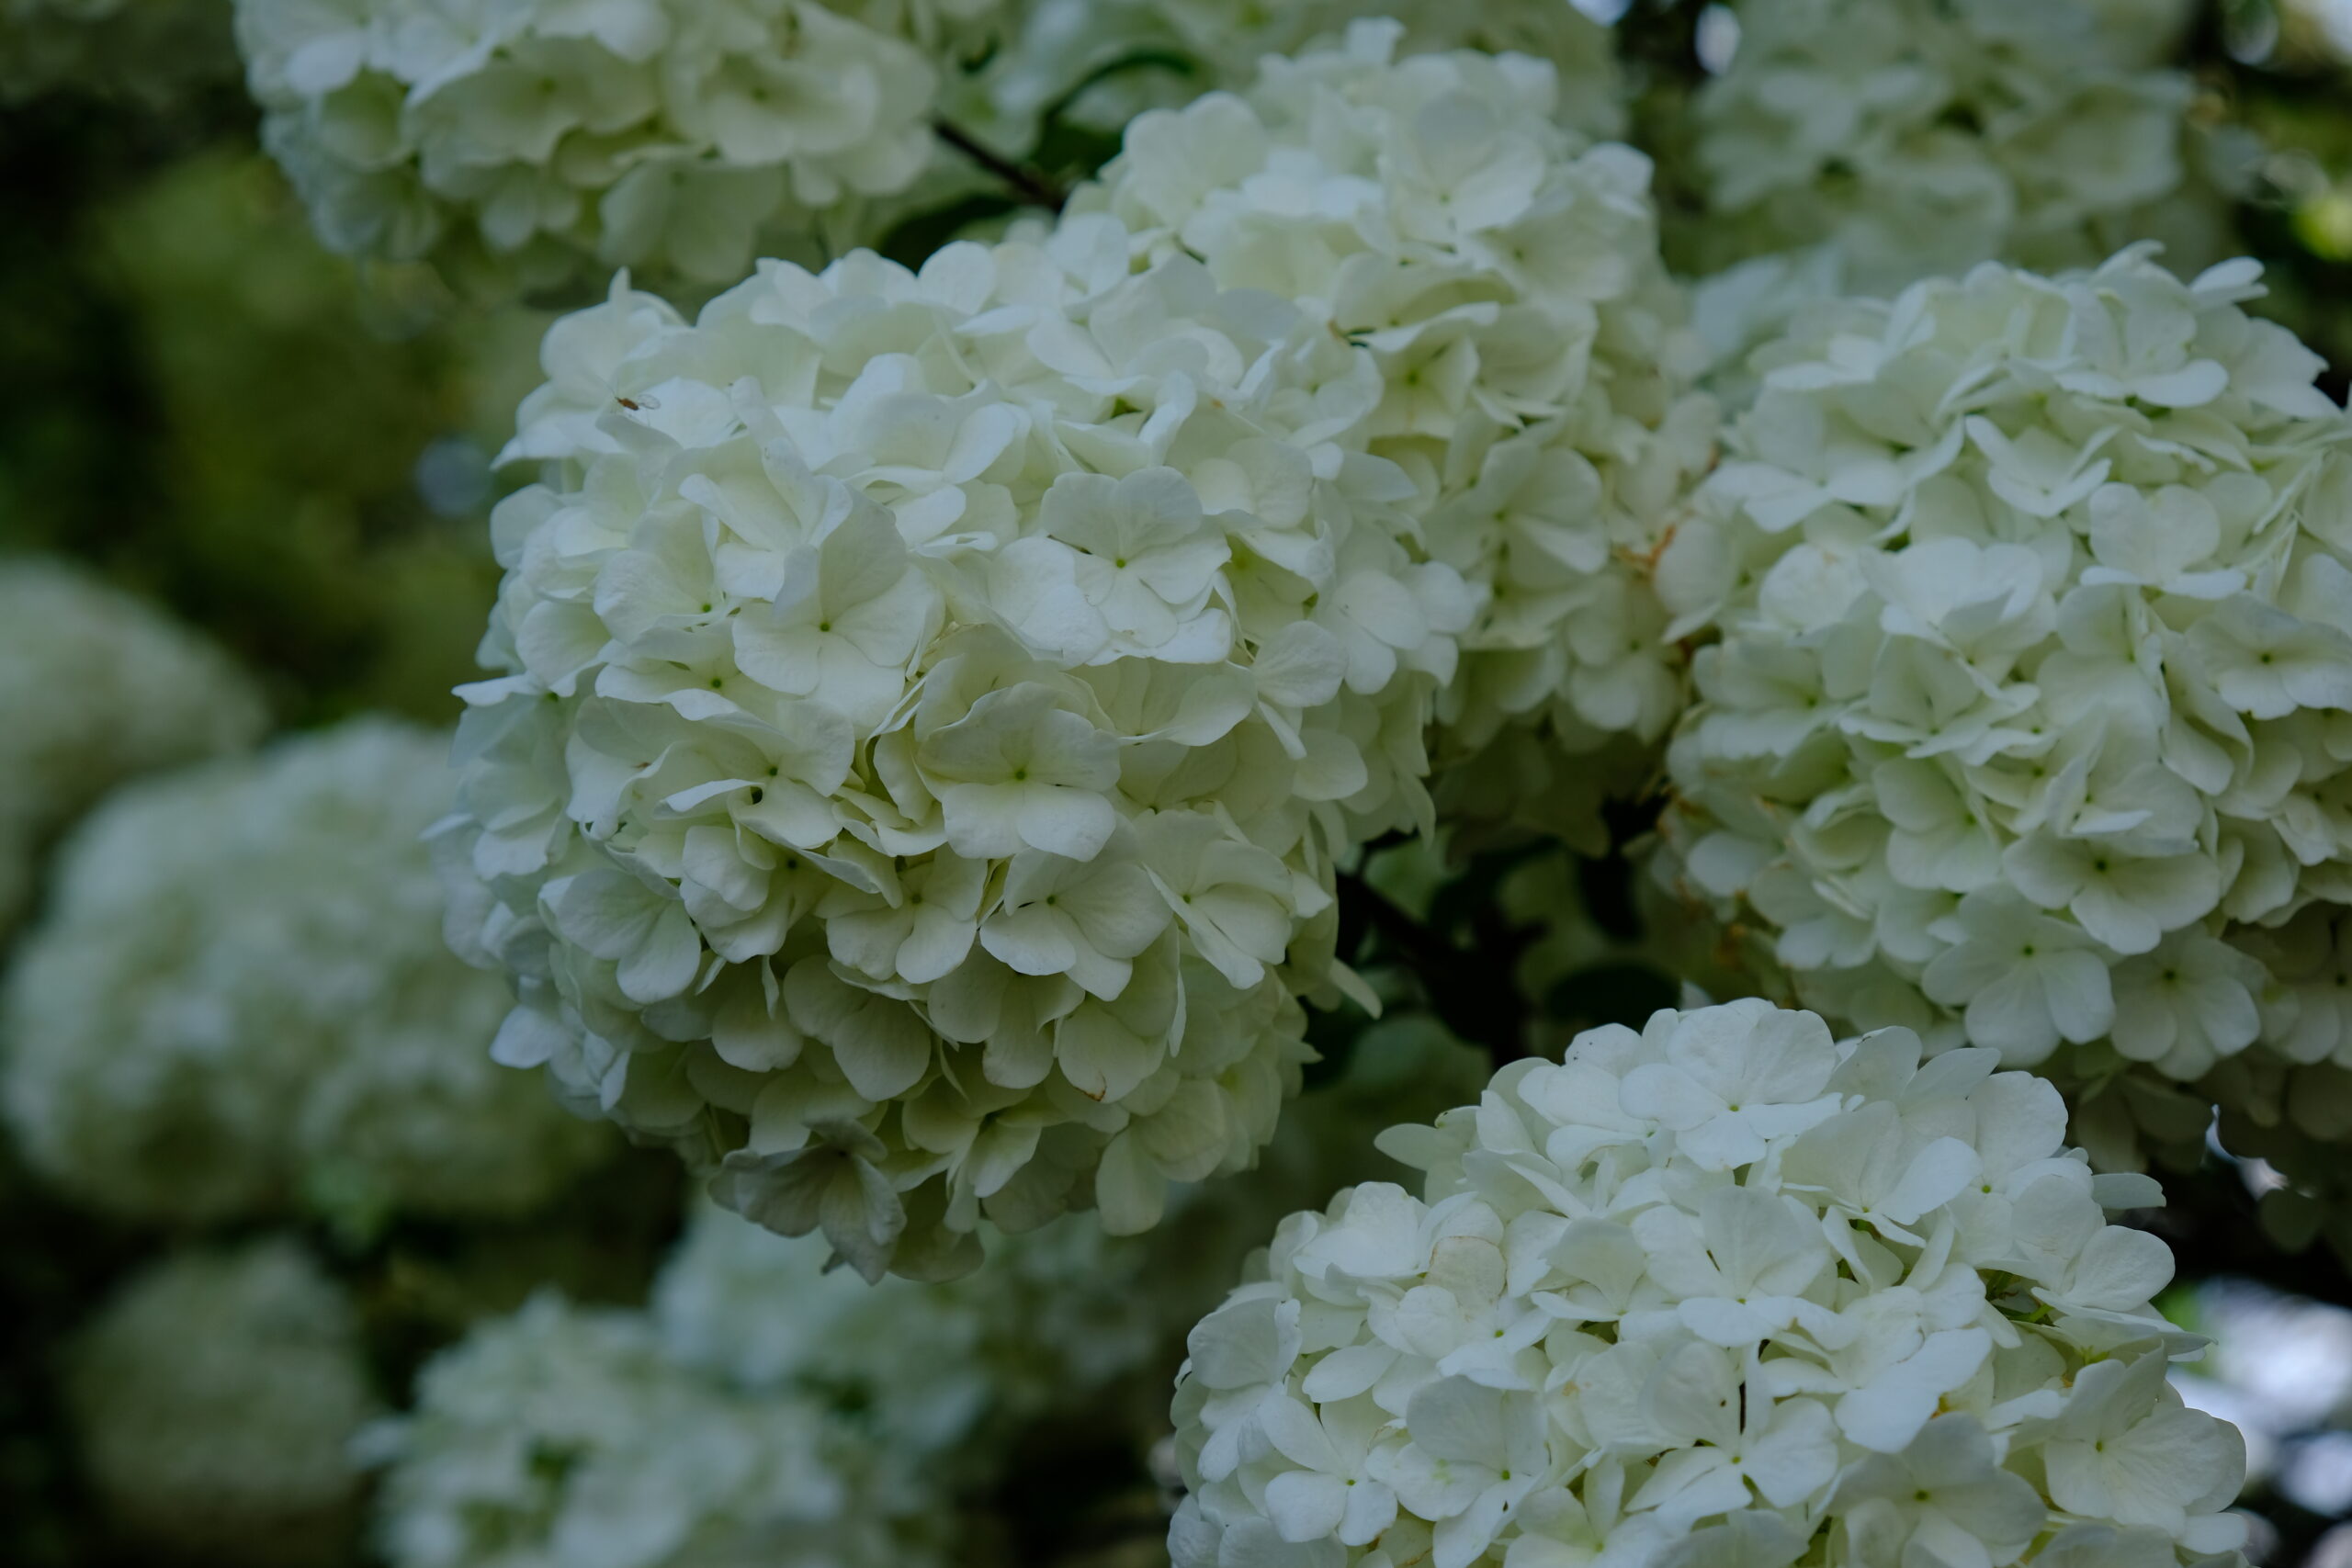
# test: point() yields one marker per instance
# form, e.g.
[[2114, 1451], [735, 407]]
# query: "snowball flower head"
[[2035, 684], [214, 1399], [1913, 136], [931, 707], [568, 1435], [531, 142], [1723, 1291], [240, 998], [1533, 365], [96, 687]]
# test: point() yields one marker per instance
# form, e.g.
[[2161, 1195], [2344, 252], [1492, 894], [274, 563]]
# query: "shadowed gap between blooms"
[[2213, 1226], [1464, 956], [1472, 990]]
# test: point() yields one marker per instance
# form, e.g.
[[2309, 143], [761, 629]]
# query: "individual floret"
[[568, 1435], [96, 687], [931, 707], [1722, 1291], [1912, 138], [2031, 721], [240, 1000], [1534, 370], [532, 142], [214, 1399]]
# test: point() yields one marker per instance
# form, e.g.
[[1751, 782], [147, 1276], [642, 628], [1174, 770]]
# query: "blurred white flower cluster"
[[935, 703], [2031, 721], [532, 142], [1057, 1314], [1533, 366], [761, 1410], [1912, 138], [568, 1435], [1694, 1296], [240, 1000], [1104, 62], [152, 52], [214, 1400], [96, 687]]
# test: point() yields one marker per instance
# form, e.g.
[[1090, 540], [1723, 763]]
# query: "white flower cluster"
[[565, 1436], [1720, 1292], [2035, 696], [933, 1371], [935, 703], [1918, 137], [533, 141], [240, 998], [96, 687], [1532, 365], [214, 1399], [149, 50]]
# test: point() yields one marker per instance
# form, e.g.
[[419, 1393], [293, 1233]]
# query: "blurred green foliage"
[[294, 456], [2283, 69], [290, 451]]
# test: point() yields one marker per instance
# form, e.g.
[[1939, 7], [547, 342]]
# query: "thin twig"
[[1031, 184]]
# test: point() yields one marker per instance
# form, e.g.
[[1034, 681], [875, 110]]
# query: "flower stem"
[[1032, 187]]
